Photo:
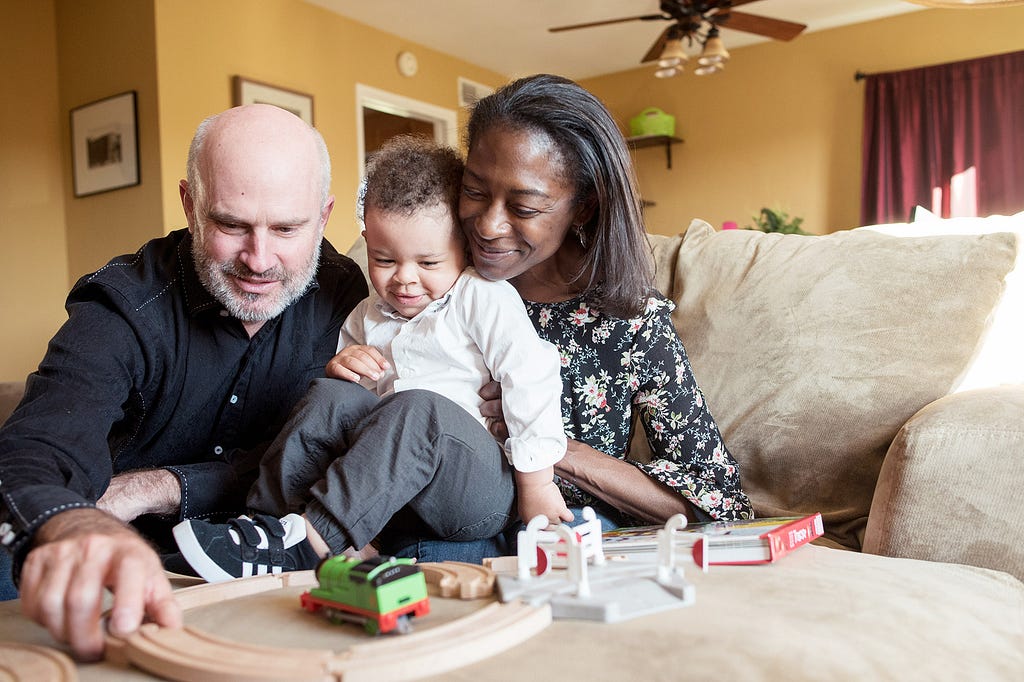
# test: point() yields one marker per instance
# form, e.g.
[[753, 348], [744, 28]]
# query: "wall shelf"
[[643, 141]]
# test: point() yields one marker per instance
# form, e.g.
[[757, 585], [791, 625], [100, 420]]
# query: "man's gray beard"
[[246, 306]]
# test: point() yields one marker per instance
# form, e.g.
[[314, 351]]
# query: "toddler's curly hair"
[[409, 173]]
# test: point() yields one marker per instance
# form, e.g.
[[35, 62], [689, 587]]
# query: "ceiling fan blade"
[[658, 46], [643, 17], [777, 29]]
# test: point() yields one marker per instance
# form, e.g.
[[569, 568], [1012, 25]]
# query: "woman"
[[550, 203]]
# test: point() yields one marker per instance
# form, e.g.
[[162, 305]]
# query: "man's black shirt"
[[150, 371]]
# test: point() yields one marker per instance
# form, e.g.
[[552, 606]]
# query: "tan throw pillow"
[[812, 351]]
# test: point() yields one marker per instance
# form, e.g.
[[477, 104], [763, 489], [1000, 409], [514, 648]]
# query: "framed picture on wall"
[[105, 145], [248, 91]]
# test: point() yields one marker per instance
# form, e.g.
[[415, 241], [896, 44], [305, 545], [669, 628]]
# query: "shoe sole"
[[208, 569]]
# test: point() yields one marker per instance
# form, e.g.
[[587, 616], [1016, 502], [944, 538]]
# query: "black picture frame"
[[105, 144]]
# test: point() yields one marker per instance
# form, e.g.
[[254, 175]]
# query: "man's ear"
[[187, 205], [325, 213]]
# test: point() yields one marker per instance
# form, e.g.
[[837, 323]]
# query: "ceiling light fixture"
[[712, 58], [714, 51], [672, 58]]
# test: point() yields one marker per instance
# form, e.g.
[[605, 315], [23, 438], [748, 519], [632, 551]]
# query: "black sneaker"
[[245, 546]]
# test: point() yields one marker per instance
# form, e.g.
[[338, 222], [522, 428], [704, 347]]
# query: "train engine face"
[[382, 593]]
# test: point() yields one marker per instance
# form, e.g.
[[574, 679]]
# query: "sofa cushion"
[[814, 350], [10, 396], [998, 360]]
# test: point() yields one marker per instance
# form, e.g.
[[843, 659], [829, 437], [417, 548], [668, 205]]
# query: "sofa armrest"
[[10, 396], [949, 488]]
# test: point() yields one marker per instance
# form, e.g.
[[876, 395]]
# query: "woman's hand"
[[354, 362], [620, 484], [491, 409]]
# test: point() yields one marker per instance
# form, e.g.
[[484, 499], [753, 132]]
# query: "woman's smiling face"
[[517, 204]]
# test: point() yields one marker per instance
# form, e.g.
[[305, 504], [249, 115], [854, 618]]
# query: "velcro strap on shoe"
[[249, 538], [270, 524], [275, 533]]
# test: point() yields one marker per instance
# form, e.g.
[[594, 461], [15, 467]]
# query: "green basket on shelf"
[[652, 121]]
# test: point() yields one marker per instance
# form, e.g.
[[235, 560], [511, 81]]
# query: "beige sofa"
[[875, 375], [876, 378], [853, 375]]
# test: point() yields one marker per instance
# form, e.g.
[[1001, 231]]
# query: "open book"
[[756, 541]]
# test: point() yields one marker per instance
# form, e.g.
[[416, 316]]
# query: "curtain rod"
[[860, 75]]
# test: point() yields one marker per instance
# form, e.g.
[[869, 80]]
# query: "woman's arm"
[[612, 480], [620, 484], [688, 454]]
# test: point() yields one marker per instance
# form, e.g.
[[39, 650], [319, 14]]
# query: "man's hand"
[[491, 409], [77, 554], [146, 491], [353, 362]]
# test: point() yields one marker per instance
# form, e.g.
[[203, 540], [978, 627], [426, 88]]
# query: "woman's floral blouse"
[[612, 366]]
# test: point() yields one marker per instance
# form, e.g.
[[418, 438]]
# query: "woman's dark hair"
[[617, 266]]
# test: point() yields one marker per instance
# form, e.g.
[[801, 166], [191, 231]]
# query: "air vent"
[[470, 92]]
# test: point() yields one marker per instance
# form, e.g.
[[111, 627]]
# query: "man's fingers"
[[162, 608], [141, 588], [65, 578], [83, 603], [60, 591], [129, 584]]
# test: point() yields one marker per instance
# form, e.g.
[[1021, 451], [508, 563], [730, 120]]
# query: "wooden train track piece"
[[31, 663], [196, 656], [192, 655], [456, 579], [483, 634], [213, 593]]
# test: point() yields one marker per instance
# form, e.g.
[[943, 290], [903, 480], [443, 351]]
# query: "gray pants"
[[411, 464]]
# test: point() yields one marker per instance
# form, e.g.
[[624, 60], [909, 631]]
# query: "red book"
[[760, 541]]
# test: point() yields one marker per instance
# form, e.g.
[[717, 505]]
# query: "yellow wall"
[[179, 55], [297, 46], [781, 126], [33, 255], [104, 48]]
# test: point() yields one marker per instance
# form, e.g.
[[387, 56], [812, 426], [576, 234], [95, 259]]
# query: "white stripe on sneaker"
[[206, 567]]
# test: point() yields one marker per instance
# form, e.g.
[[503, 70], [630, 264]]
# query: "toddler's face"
[[413, 259]]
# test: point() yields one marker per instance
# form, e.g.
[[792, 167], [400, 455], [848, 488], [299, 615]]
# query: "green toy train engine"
[[382, 593]]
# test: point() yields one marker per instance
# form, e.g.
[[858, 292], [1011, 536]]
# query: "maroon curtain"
[[932, 132]]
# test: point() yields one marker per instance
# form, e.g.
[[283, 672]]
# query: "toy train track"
[[460, 580], [192, 654], [30, 663]]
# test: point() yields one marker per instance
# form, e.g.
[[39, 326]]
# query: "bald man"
[[175, 369]]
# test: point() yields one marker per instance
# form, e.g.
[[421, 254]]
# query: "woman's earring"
[[578, 231]]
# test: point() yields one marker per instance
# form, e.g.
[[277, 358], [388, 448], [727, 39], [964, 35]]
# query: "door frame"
[[445, 120]]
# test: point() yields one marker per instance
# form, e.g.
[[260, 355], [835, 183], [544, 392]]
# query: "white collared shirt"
[[478, 330]]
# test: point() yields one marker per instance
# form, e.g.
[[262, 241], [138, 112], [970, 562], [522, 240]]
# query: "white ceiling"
[[511, 36]]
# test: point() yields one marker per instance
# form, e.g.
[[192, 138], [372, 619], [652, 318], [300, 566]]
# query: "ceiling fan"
[[698, 21]]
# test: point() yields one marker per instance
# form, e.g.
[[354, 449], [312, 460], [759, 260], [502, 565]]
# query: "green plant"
[[776, 220]]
